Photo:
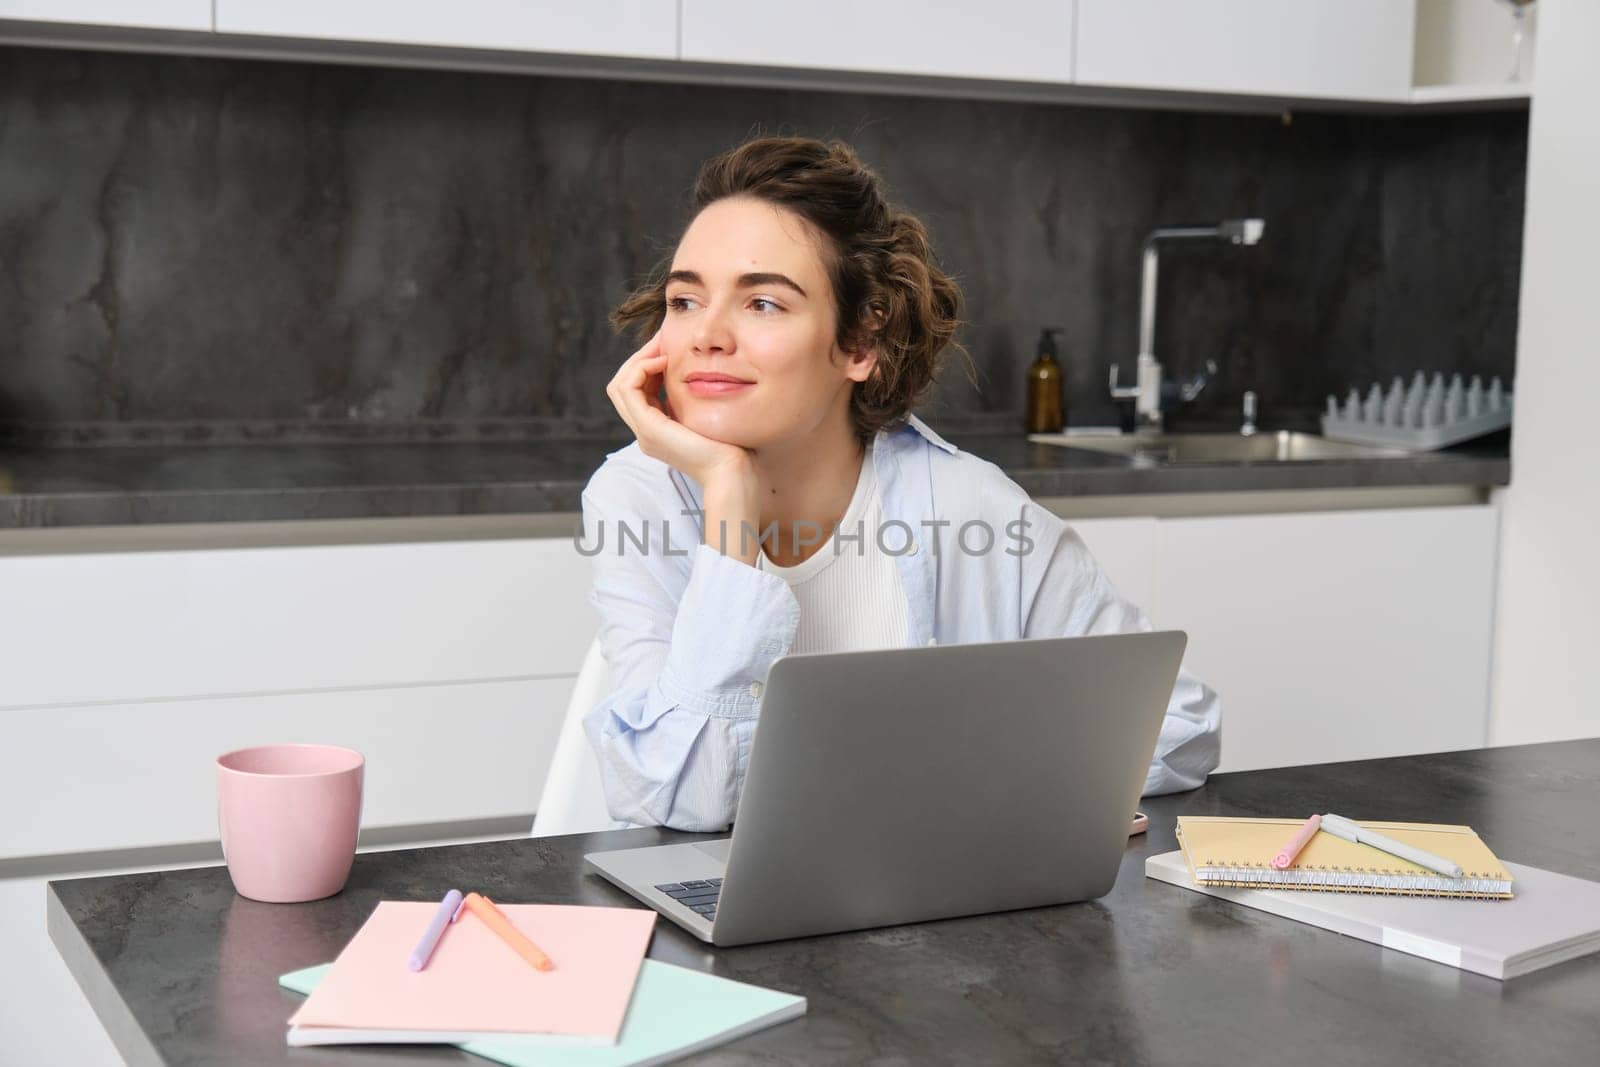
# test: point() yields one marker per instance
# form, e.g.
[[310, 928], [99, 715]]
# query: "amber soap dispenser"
[[1044, 412]]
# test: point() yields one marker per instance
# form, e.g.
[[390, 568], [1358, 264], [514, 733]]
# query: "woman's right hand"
[[723, 470]]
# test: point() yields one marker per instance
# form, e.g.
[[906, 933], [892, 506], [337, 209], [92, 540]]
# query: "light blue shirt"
[[690, 633]]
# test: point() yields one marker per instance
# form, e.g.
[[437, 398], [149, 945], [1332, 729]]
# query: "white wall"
[[1548, 618]]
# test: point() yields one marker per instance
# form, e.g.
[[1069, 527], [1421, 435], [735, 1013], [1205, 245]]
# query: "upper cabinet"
[[1005, 40], [1358, 49], [638, 28], [1266, 54], [147, 14]]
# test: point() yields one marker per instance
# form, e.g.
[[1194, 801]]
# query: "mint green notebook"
[[674, 1012]]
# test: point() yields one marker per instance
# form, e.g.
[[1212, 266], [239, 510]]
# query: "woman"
[[781, 498]]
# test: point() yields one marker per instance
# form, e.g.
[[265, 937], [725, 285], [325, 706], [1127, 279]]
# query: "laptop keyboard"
[[699, 896]]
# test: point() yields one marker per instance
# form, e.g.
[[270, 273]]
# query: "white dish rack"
[[1426, 415]]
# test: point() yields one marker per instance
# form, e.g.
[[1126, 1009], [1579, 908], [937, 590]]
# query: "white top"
[[850, 593]]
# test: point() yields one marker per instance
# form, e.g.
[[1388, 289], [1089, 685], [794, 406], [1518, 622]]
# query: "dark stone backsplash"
[[201, 241]]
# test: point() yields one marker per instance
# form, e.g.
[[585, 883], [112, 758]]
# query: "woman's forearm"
[[682, 661], [732, 510]]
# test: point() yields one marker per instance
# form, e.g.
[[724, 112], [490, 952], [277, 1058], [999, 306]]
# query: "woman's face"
[[750, 328]]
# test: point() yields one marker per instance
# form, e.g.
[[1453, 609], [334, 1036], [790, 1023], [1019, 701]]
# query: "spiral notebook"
[[1238, 852]]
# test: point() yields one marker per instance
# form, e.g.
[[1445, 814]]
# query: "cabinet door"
[[1336, 635], [1340, 48], [153, 14], [1012, 40], [117, 627], [645, 28], [119, 776]]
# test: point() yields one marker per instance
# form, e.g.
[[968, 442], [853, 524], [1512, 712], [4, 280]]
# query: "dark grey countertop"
[[182, 971], [114, 485]]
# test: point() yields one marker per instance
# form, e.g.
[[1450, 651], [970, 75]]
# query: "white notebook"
[[1552, 919]]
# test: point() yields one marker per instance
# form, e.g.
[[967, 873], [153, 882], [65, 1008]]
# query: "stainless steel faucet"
[[1147, 390]]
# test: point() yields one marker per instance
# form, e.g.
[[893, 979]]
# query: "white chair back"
[[573, 800]]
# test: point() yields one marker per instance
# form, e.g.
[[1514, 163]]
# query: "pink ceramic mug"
[[289, 816]]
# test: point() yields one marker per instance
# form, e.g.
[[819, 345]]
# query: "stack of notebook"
[[1475, 923], [601, 1003]]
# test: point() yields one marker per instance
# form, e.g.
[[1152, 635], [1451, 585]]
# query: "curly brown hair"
[[888, 290]]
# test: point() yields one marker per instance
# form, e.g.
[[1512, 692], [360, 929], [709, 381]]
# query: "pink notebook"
[[475, 987]]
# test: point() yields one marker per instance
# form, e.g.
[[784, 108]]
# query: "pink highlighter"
[[1289, 851]]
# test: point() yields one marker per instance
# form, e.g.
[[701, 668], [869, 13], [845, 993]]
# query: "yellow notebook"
[[1222, 851]]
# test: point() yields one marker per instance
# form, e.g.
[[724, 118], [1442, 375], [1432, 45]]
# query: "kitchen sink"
[[1181, 448]]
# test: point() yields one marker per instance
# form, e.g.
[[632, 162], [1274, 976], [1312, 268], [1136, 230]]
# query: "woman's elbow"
[[1184, 761]]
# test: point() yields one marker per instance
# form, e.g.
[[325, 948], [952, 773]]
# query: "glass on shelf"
[[1520, 10]]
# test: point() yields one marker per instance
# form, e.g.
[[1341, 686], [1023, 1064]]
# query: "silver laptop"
[[923, 783]]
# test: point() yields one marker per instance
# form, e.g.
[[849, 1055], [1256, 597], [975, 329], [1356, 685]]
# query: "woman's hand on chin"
[[635, 392]]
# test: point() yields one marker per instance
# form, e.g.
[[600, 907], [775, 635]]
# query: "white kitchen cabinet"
[[128, 626], [125, 674], [1011, 40], [1336, 635], [149, 14], [639, 28], [1355, 49], [1357, 52], [134, 775]]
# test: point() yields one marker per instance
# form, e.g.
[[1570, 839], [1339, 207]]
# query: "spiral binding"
[[1355, 870], [1355, 880]]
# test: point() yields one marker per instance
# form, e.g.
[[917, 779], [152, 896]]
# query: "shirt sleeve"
[[686, 663], [1068, 595]]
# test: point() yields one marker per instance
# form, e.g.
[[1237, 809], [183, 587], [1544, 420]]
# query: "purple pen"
[[430, 937]]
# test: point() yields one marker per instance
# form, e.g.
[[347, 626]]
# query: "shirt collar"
[[915, 426]]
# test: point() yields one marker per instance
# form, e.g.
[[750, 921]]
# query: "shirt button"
[[933, 640], [755, 689], [911, 547]]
